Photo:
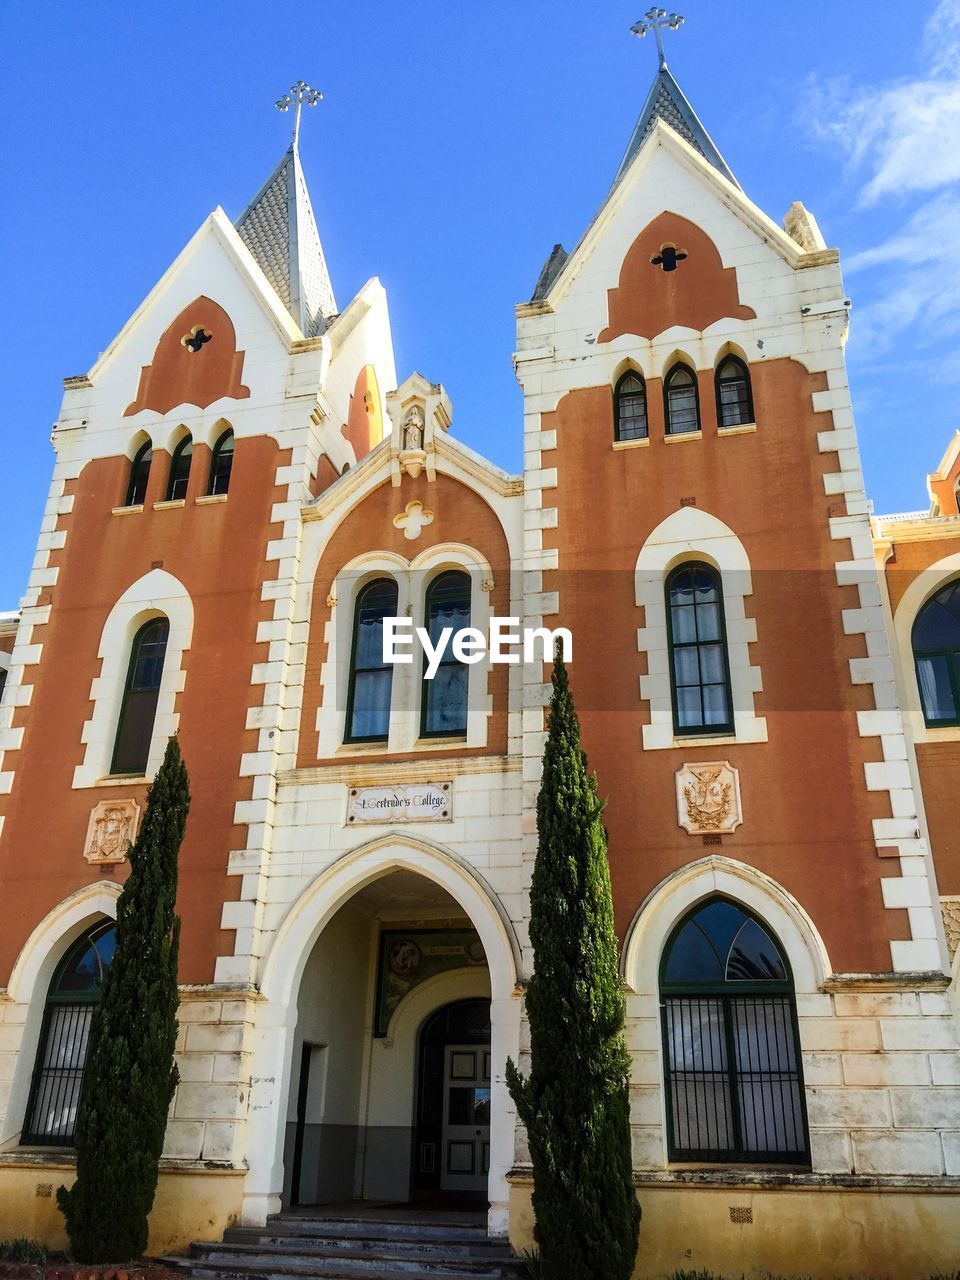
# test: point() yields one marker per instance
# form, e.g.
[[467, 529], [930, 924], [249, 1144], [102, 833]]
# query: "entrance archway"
[[357, 1071]]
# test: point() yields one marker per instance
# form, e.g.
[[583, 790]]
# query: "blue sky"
[[456, 144]]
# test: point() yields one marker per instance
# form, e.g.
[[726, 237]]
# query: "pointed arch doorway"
[[380, 1100]]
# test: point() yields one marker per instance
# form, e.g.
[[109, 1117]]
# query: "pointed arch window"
[[139, 475], [139, 709], [180, 470], [734, 394], [936, 654], [699, 663], [74, 994], [371, 679], [444, 705], [630, 407], [221, 464], [731, 1044], [681, 400]]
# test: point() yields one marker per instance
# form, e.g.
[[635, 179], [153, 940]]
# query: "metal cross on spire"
[[300, 94], [655, 20]]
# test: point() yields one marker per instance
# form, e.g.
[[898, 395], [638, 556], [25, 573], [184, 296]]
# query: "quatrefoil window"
[[668, 257], [196, 338]]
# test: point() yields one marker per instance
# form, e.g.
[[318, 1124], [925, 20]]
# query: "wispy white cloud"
[[919, 288], [907, 133], [902, 140]]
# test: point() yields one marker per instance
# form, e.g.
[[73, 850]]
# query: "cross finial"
[[299, 94], [655, 20]]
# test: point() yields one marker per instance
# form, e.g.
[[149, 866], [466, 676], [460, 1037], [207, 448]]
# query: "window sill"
[[682, 435], [121, 779], [169, 504], [208, 499], [453, 740], [703, 739], [128, 511], [742, 430], [632, 444], [362, 748]]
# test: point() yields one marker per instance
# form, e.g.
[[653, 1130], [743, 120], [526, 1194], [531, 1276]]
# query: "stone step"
[[398, 1254], [316, 1227], [339, 1269], [263, 1242]]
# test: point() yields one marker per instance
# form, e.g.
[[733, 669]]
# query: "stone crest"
[[708, 797], [111, 830]]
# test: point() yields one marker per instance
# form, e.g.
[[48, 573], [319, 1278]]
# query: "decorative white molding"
[[413, 520], [691, 534], [156, 594]]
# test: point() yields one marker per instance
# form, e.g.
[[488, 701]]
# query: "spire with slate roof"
[[279, 228], [666, 101]]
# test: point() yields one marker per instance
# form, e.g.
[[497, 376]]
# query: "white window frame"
[[688, 535], [157, 594]]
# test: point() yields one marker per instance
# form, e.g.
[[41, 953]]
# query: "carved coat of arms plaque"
[[111, 830], [708, 797]]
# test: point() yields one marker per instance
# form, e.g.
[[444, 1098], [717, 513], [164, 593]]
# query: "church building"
[[768, 678]]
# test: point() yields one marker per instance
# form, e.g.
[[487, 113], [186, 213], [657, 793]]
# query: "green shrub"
[[575, 1103], [23, 1249], [130, 1072]]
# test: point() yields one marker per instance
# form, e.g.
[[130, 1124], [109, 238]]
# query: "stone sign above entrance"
[[407, 802]]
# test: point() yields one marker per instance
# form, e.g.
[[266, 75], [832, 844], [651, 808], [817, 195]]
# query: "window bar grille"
[[59, 1075], [734, 1078]]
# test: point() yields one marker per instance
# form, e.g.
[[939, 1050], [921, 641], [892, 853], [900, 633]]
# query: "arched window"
[[180, 469], [681, 400], [734, 397], [58, 1074], [139, 475], [700, 668], [444, 706], [630, 408], [936, 652], [731, 1044], [371, 679], [139, 709], [221, 464]]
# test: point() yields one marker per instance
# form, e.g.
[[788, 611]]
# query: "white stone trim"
[[692, 534], [926, 584], [156, 594], [23, 1003], [412, 578], [926, 948], [27, 650], [279, 979], [678, 892]]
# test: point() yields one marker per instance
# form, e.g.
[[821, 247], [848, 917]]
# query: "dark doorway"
[[451, 1144]]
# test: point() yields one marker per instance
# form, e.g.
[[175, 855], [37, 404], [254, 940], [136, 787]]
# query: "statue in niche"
[[413, 425]]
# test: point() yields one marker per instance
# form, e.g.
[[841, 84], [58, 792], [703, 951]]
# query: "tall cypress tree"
[[575, 1102], [130, 1073]]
